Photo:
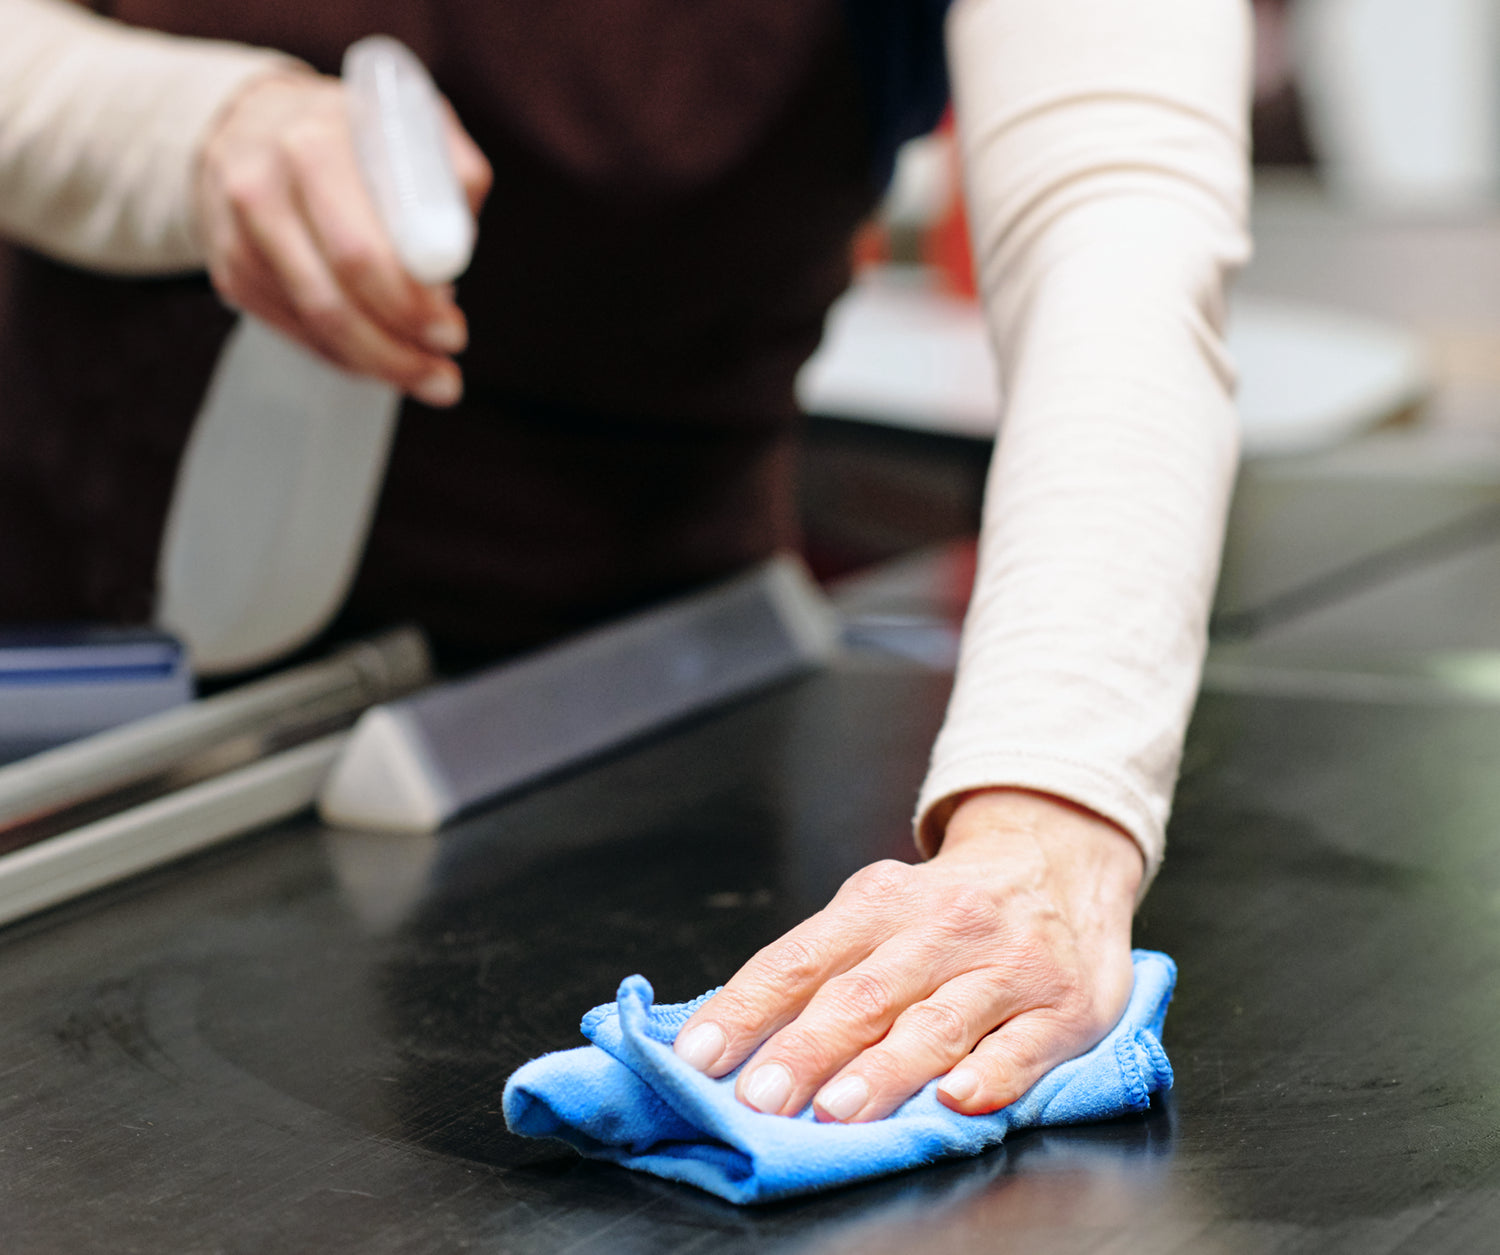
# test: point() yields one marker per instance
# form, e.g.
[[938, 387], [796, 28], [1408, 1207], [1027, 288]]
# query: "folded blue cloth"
[[629, 1099]]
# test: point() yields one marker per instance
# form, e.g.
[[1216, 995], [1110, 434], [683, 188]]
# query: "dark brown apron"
[[675, 188]]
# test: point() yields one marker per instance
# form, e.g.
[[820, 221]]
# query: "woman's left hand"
[[1006, 954]]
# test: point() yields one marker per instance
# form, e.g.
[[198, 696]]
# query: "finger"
[[856, 1009], [252, 287], [357, 249], [765, 994], [926, 1040], [850, 1012], [246, 282], [470, 165], [326, 320], [773, 987], [1008, 1062]]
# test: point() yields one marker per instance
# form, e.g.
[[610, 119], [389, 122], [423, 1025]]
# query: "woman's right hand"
[[292, 236]]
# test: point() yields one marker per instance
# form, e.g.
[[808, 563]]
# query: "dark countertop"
[[298, 1042]]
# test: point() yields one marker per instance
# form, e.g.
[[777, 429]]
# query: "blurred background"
[[1367, 327]]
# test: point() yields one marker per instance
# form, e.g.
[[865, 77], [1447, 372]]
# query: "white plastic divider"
[[411, 765]]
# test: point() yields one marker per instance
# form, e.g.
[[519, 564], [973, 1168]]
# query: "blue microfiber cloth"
[[629, 1099]]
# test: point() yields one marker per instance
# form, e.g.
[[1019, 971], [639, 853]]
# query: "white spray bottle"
[[280, 477]]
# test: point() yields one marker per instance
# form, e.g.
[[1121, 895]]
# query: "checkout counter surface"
[[298, 1041]]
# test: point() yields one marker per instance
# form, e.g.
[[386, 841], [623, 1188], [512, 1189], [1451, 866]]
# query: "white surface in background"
[[1312, 377], [1403, 99], [901, 352], [923, 184]]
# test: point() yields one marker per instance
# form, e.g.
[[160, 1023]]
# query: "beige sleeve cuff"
[[1106, 154], [100, 129], [1114, 796]]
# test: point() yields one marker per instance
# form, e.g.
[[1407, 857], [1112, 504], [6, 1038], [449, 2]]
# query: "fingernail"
[[701, 1047], [960, 1085], [845, 1098], [446, 337], [769, 1087], [441, 388]]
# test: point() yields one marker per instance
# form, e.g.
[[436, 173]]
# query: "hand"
[[292, 237], [1006, 954]]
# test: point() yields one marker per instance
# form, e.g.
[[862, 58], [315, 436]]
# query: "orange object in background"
[[872, 245], [940, 241], [945, 245]]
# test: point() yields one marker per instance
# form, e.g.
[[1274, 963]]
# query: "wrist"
[[1061, 837]]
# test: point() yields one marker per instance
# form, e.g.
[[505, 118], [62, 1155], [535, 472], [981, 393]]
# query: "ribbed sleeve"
[[1105, 148]]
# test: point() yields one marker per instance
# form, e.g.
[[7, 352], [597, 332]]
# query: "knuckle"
[[407, 374], [861, 997], [1075, 1001], [306, 142], [969, 913], [885, 1073], [941, 1025], [881, 882], [355, 260], [795, 960], [1005, 1092], [1001, 1081], [1054, 989], [803, 1052], [328, 319], [732, 1012], [250, 186]]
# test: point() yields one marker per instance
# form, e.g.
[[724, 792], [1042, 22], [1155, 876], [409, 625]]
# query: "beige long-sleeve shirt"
[[100, 126], [1106, 151]]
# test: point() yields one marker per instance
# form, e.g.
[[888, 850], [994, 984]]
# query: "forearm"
[[1105, 151], [100, 128]]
